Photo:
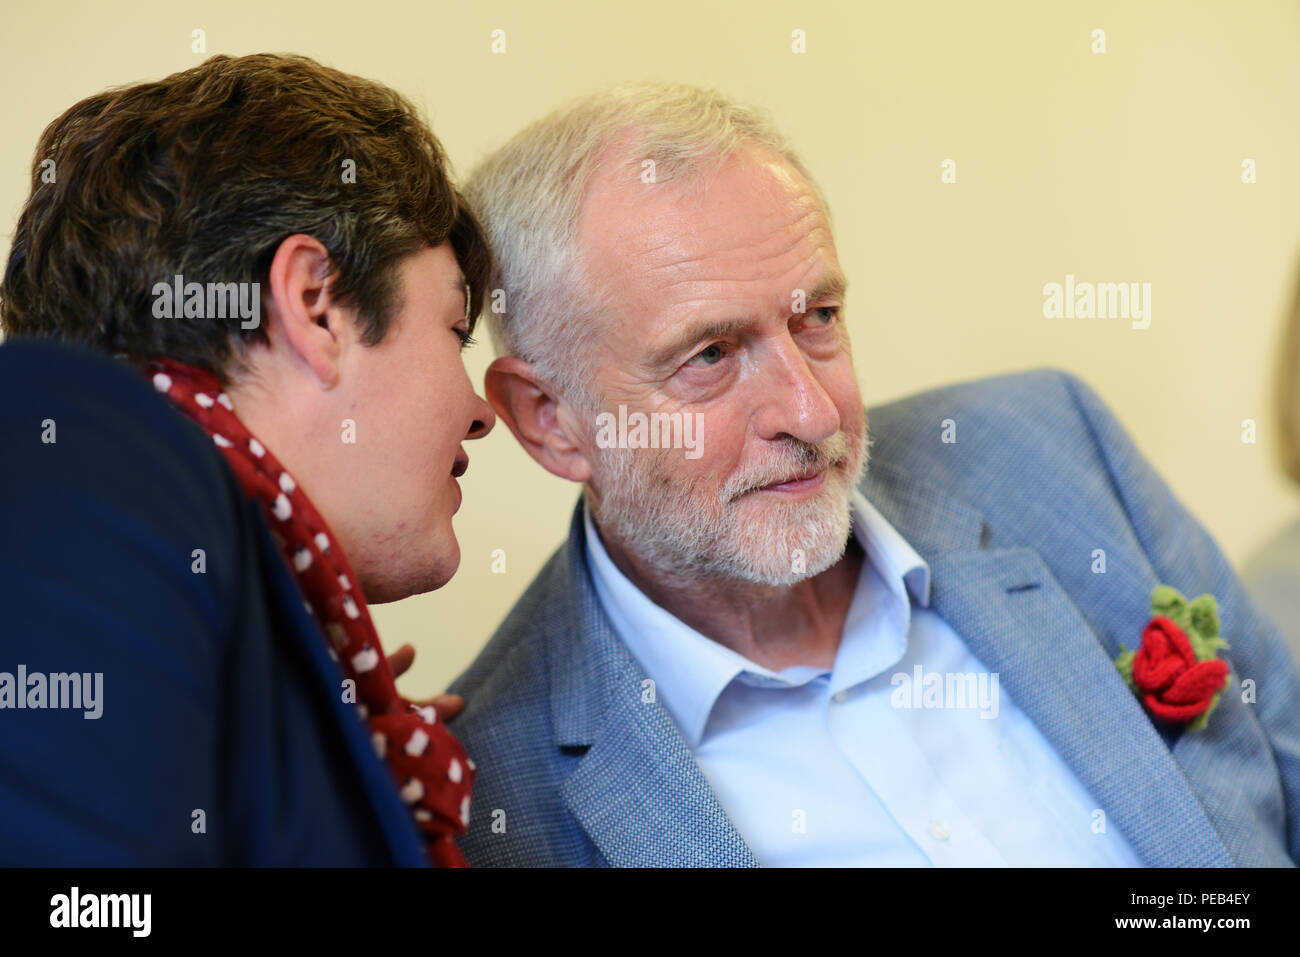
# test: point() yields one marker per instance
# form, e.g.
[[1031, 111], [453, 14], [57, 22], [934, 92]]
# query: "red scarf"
[[432, 772]]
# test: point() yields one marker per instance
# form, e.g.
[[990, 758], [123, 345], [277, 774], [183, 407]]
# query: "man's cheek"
[[849, 402]]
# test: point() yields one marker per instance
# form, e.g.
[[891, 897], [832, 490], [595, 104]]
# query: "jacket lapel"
[[1018, 620], [637, 792], [301, 628]]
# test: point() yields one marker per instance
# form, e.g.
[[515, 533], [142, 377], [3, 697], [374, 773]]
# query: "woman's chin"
[[445, 559], [392, 584], [448, 565]]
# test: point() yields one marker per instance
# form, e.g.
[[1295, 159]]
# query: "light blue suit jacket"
[[575, 769]]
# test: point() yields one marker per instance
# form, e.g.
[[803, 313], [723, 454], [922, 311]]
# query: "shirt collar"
[[897, 562], [690, 671]]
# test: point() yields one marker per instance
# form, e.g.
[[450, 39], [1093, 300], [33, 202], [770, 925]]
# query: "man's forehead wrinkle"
[[817, 274], [820, 260], [775, 245]]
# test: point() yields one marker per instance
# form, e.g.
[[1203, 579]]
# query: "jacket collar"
[[637, 792]]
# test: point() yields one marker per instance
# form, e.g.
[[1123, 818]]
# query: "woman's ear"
[[541, 421], [307, 321]]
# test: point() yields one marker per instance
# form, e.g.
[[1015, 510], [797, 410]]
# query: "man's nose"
[[793, 400]]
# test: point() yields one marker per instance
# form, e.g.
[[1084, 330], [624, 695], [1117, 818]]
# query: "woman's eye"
[[466, 340], [710, 355]]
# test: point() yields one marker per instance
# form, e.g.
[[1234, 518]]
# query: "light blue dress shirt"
[[906, 753]]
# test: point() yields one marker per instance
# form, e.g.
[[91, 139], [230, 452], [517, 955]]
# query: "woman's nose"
[[484, 420]]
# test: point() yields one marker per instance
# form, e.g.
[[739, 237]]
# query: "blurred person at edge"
[[1273, 572], [730, 634], [201, 497]]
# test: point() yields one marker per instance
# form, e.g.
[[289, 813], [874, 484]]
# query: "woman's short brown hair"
[[204, 174]]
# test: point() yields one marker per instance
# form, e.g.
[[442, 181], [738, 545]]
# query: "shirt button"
[[939, 830], [841, 696]]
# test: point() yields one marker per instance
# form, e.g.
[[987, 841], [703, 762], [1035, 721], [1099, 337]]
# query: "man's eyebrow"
[[691, 334], [832, 286]]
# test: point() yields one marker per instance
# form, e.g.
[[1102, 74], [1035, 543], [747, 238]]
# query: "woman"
[[233, 408]]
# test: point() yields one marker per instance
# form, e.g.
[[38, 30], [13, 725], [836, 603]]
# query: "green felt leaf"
[[1205, 649], [1170, 603], [1203, 631], [1125, 665], [1201, 720], [1204, 614]]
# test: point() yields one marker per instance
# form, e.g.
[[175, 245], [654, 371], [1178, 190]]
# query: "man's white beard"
[[688, 536]]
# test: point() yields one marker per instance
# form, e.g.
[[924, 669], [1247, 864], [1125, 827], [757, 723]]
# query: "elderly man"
[[754, 649]]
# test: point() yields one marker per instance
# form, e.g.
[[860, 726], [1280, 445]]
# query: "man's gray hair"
[[529, 193]]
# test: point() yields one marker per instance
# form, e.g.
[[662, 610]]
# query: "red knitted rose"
[[1174, 685], [1177, 671]]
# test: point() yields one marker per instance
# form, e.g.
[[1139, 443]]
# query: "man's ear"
[[303, 317], [543, 423]]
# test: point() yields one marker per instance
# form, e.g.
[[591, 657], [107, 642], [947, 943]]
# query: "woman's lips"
[[458, 468]]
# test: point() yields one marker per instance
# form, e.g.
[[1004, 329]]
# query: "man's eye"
[[710, 355], [827, 314], [466, 340]]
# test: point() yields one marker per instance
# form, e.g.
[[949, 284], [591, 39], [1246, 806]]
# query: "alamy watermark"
[[214, 300], [75, 909], [946, 690], [1100, 300], [651, 430], [60, 690]]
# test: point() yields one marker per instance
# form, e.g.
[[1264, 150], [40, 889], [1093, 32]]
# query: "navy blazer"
[[218, 693]]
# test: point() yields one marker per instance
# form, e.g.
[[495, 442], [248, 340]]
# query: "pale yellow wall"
[[1123, 166]]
